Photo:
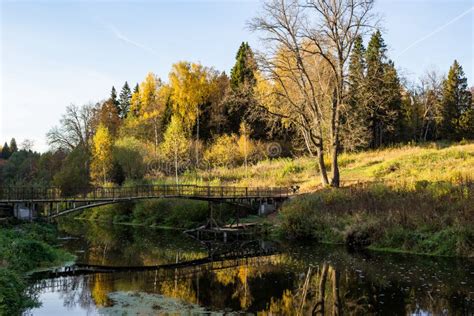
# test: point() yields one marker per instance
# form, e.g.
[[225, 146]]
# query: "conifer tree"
[[382, 92], [6, 151], [124, 100], [113, 98], [455, 105], [241, 97], [355, 116], [13, 146], [243, 71]]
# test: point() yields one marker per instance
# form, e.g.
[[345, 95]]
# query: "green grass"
[[397, 165], [434, 218]]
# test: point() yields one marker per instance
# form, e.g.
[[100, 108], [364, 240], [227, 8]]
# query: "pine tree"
[[244, 68], [124, 100], [455, 105], [13, 146], [113, 98], [6, 151]]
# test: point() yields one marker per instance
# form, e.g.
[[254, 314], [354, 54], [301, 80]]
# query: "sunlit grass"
[[401, 164]]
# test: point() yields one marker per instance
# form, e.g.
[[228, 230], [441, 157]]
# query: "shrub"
[[13, 297]]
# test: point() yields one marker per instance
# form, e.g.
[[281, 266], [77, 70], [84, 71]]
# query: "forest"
[[202, 118]]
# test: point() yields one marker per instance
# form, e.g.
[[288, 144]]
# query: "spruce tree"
[[244, 68], [13, 146], [355, 117], [124, 100], [241, 99], [113, 99], [382, 92], [455, 105], [6, 151]]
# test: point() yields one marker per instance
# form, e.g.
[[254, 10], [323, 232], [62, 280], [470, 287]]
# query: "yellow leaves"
[[174, 143], [101, 154], [191, 85]]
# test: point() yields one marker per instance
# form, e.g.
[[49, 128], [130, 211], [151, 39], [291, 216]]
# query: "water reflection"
[[300, 279]]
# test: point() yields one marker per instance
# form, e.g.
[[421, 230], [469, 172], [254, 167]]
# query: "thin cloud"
[[119, 35], [436, 30]]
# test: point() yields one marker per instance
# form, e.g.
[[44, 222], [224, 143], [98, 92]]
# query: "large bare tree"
[[76, 127], [306, 59]]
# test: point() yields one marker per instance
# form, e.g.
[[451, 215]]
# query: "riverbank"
[[412, 198], [23, 248], [432, 218]]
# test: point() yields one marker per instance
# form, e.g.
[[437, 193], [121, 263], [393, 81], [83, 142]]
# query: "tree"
[[73, 177], [152, 106], [76, 128], [428, 96], [135, 105], [300, 47], [455, 104], [27, 145], [101, 154], [240, 101], [113, 99], [6, 151], [355, 134], [13, 146], [191, 85], [175, 143], [108, 116], [242, 73], [382, 90], [124, 100], [128, 153]]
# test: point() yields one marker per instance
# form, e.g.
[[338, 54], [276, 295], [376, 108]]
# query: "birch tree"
[[310, 34]]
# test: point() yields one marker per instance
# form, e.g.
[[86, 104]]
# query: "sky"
[[55, 53]]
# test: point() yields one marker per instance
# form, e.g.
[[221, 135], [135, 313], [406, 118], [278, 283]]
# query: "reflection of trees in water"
[[340, 283]]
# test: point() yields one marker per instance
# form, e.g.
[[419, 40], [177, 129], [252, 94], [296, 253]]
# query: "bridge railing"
[[140, 191]]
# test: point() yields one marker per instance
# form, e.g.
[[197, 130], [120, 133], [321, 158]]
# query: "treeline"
[[301, 97]]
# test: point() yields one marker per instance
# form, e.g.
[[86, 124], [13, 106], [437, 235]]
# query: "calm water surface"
[[284, 280]]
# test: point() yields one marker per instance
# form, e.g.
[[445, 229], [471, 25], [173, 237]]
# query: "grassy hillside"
[[398, 165], [417, 199]]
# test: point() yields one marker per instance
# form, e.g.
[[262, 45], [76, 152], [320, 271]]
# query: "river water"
[[252, 277]]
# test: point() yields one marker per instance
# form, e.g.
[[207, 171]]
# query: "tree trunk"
[[322, 168], [156, 136], [176, 166], [197, 137], [335, 166]]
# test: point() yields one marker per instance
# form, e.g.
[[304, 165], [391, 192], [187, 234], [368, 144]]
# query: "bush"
[[13, 297]]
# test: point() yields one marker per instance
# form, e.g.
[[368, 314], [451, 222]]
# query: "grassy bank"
[[400, 165], [415, 198], [24, 248], [435, 218]]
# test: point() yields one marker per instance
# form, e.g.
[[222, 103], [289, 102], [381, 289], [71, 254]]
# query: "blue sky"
[[54, 53]]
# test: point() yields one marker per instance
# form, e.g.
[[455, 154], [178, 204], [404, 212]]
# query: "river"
[[252, 277]]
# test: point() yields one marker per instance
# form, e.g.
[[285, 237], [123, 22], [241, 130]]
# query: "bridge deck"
[[108, 194]]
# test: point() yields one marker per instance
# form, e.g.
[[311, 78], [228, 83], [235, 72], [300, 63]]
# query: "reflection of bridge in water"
[[53, 202], [254, 253]]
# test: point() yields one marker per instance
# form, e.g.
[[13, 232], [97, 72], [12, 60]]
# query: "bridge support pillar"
[[25, 211]]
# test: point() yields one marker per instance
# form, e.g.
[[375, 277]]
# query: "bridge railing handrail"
[[26, 193]]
